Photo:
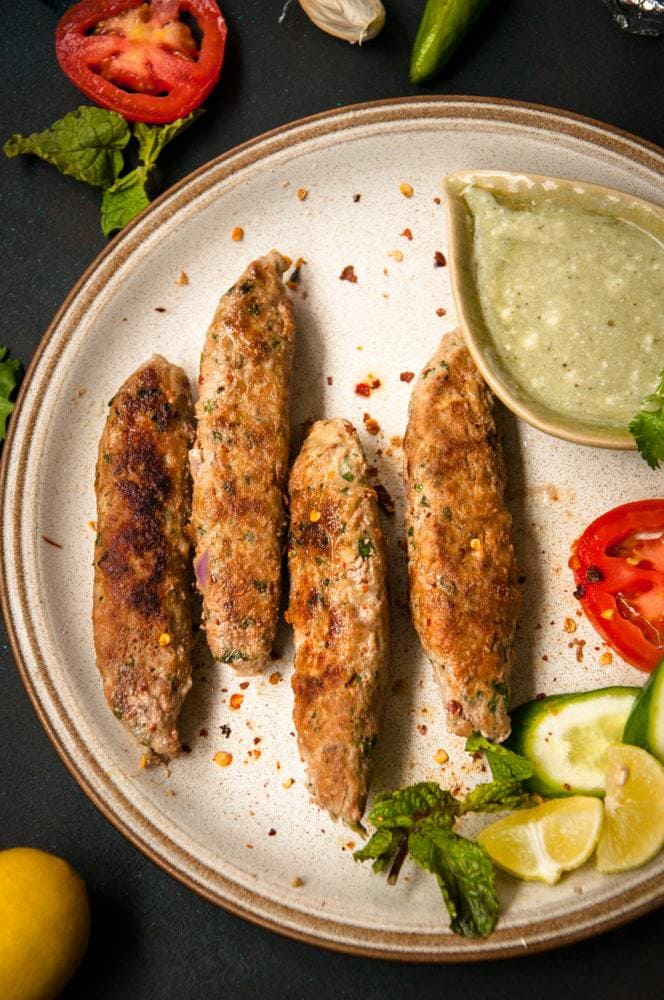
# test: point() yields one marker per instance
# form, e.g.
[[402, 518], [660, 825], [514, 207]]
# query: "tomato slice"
[[618, 566], [142, 59]]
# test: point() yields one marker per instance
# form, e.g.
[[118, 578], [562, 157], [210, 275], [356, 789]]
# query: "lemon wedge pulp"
[[539, 844], [633, 831]]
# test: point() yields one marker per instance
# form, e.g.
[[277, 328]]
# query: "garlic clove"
[[353, 20]]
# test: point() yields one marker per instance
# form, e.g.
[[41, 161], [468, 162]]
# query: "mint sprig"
[[88, 144], [129, 195], [418, 822]]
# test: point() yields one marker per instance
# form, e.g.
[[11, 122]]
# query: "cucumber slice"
[[566, 738], [645, 725]]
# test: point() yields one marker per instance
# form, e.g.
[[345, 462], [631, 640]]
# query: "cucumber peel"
[[645, 725], [566, 737]]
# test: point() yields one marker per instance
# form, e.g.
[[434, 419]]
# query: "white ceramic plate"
[[211, 826]]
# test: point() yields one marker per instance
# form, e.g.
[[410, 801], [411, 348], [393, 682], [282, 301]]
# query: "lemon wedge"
[[539, 844], [633, 831]]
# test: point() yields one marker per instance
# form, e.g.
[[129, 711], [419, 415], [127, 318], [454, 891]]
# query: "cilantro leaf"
[[498, 796], [647, 427], [465, 875], [504, 763], [9, 379], [86, 144], [365, 547], [123, 200]]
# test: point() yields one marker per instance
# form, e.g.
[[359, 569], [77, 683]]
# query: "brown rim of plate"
[[328, 933], [476, 331]]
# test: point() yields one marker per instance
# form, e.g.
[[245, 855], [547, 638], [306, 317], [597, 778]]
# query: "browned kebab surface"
[[239, 464], [463, 577], [339, 613], [142, 613]]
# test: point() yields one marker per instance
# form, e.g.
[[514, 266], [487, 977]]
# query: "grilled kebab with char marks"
[[463, 577], [142, 613], [339, 613]]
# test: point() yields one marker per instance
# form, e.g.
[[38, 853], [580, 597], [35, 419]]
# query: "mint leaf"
[[380, 848], [124, 200], [465, 875], [153, 138], [504, 763], [647, 427], [9, 379], [498, 796], [129, 194], [400, 810], [86, 144]]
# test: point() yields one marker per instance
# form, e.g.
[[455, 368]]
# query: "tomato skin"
[[186, 81], [606, 578]]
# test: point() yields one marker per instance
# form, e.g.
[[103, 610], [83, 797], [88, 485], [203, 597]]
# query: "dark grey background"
[[151, 937]]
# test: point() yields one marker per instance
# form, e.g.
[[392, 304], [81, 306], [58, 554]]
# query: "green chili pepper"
[[443, 26]]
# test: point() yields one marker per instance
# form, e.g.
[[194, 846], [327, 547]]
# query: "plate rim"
[[392, 945]]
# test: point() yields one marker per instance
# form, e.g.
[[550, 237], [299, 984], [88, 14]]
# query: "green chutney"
[[573, 301]]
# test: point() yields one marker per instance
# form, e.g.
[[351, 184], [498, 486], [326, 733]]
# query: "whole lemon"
[[44, 924]]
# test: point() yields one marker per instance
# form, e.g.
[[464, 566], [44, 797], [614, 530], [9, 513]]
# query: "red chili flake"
[[203, 732], [160, 309], [384, 499], [407, 376], [454, 708], [236, 700], [272, 832], [439, 259], [436, 201], [244, 685], [407, 233], [422, 729], [362, 389], [440, 311], [348, 274], [329, 380], [376, 383], [372, 426], [356, 198]]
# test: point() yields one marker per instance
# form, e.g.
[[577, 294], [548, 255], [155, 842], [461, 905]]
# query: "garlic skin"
[[353, 20]]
